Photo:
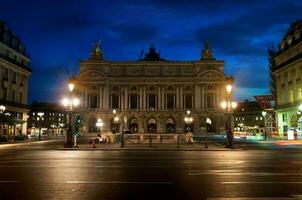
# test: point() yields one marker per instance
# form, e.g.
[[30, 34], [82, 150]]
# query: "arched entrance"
[[92, 125], [152, 126], [114, 126], [294, 121], [133, 125], [170, 125], [211, 127]]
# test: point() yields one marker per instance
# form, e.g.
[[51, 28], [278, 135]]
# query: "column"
[[158, 98], [197, 102], [101, 98], [85, 98], [177, 98], [126, 98], [202, 98], [144, 98], [181, 98], [217, 97], [163, 99], [140, 98], [107, 97]]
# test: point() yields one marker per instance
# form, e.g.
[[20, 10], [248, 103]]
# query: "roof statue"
[[207, 53], [96, 52], [152, 55]]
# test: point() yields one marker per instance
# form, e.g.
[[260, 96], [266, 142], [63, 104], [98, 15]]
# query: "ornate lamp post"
[[69, 103], [188, 121], [2, 109], [40, 118], [229, 106], [264, 116]]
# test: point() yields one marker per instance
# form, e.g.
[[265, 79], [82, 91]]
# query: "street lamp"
[[69, 103], [188, 120], [2, 109], [229, 105], [40, 115], [264, 116]]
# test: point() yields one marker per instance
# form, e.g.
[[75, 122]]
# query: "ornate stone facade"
[[152, 94], [287, 70], [14, 77]]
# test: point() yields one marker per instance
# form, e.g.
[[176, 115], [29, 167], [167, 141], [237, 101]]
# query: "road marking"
[[120, 166], [9, 181], [119, 182], [251, 198], [244, 173], [259, 182]]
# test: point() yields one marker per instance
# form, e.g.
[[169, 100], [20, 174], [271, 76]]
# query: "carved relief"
[[169, 71], [133, 71], [152, 71]]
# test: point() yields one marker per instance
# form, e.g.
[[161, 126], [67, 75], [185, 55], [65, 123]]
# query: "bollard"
[[122, 141], [150, 141], [93, 143], [206, 142]]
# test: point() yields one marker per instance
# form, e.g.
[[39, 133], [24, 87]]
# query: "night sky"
[[58, 34]]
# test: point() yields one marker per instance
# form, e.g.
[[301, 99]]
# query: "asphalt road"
[[38, 171]]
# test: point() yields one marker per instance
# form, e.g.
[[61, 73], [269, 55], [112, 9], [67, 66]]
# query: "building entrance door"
[[152, 126]]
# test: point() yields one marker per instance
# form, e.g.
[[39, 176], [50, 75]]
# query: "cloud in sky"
[[60, 33]]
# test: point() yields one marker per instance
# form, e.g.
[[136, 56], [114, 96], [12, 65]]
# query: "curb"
[[143, 149]]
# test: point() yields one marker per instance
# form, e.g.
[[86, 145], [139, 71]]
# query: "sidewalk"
[[154, 147]]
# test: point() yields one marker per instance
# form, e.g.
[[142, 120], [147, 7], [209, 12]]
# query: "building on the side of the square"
[[287, 70], [249, 118], [14, 74], [46, 119], [152, 94]]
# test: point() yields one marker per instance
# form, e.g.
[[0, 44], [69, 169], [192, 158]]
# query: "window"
[[93, 101], [210, 100], [284, 117], [170, 101], [13, 95], [22, 80], [14, 77], [5, 74], [188, 101], [133, 101], [114, 101], [152, 98], [5, 93], [21, 98], [291, 96]]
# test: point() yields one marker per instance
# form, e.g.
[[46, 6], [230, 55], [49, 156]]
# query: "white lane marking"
[[259, 182], [125, 166], [9, 181], [118, 182], [244, 173], [251, 198], [10, 166]]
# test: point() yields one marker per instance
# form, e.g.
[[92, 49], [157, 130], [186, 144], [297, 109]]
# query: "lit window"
[[256, 118]]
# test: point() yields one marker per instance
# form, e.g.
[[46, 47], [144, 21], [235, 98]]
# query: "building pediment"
[[92, 75], [211, 75]]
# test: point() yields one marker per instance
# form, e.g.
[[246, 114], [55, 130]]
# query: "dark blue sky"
[[58, 34]]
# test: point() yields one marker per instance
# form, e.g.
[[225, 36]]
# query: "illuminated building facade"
[[14, 75], [152, 94], [287, 70]]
